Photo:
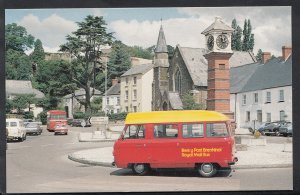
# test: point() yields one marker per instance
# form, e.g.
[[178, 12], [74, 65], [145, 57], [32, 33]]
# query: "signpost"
[[101, 121]]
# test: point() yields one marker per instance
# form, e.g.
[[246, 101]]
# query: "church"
[[232, 82]]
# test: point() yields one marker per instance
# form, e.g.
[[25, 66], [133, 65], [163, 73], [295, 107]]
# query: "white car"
[[16, 129]]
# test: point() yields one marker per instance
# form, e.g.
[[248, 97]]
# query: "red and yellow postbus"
[[55, 117], [176, 139]]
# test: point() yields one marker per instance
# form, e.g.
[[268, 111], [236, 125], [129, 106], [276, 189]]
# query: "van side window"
[[134, 132], [165, 131], [13, 124], [216, 130], [192, 130]]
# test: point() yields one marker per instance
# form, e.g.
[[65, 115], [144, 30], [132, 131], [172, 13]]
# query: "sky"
[[140, 26]]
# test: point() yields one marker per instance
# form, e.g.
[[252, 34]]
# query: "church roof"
[[161, 46], [175, 101], [218, 25], [197, 64], [138, 69], [275, 73], [17, 87]]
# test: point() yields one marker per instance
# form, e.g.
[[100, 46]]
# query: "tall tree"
[[251, 42], [245, 36], [16, 38], [238, 41], [38, 54], [234, 34], [259, 55], [85, 45]]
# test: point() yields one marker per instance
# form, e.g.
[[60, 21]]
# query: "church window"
[[178, 81]]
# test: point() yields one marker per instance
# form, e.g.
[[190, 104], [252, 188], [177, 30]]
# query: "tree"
[[251, 42], [119, 61], [85, 45], [246, 36], [234, 34], [23, 101], [259, 55], [189, 103], [38, 54], [16, 38]]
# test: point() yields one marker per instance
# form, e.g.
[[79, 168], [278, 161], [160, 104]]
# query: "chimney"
[[265, 56], [286, 52], [114, 81]]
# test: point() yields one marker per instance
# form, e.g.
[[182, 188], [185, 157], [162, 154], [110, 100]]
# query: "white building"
[[262, 92], [136, 89], [111, 100], [19, 87]]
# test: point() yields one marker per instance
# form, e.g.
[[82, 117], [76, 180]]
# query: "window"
[[178, 81], [268, 98], [192, 130], [126, 108], [222, 66], [259, 115], [134, 132], [126, 95], [107, 101], [134, 108], [126, 81], [247, 116], [134, 94], [244, 101], [118, 100], [165, 131], [281, 95], [282, 115], [255, 97], [268, 117], [13, 124], [216, 130], [134, 80]]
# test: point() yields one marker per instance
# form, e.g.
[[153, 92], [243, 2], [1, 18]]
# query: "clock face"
[[222, 41], [210, 42]]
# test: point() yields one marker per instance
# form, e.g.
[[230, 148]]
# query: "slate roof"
[[175, 101], [161, 45], [197, 64], [15, 87], [275, 73], [114, 90], [218, 25], [138, 69]]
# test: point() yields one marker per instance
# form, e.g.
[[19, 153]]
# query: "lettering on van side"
[[199, 152]]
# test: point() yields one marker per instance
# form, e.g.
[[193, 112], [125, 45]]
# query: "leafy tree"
[[16, 38], [259, 55], [23, 101], [139, 52], [119, 61], [8, 105], [85, 45], [38, 54], [189, 103], [96, 104]]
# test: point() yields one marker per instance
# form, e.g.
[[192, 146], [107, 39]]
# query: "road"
[[41, 164]]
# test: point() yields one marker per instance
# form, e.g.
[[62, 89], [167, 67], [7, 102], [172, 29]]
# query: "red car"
[[61, 129]]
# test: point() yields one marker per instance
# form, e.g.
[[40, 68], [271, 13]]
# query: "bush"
[[117, 117], [43, 117], [79, 115], [28, 115]]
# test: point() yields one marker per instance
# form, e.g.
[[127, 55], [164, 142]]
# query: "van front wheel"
[[140, 169], [207, 169]]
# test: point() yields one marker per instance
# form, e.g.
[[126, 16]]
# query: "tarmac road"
[[41, 164]]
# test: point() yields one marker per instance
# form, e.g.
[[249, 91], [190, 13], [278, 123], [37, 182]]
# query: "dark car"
[[33, 128], [271, 128], [286, 129], [80, 123], [262, 126], [70, 121]]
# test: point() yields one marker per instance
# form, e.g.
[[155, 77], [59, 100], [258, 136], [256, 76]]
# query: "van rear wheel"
[[207, 169], [140, 168]]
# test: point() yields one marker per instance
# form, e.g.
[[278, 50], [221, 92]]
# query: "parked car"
[[80, 123], [16, 129], [286, 129], [60, 128], [33, 128], [271, 128], [262, 126], [27, 121]]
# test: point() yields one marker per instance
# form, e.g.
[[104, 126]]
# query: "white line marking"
[[69, 143], [47, 145]]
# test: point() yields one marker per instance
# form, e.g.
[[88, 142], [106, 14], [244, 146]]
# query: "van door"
[[163, 149], [133, 148]]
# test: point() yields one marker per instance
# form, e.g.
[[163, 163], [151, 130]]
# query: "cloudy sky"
[[140, 26]]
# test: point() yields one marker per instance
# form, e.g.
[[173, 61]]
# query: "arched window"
[[177, 81]]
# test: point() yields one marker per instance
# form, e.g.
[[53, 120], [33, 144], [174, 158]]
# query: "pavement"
[[255, 153]]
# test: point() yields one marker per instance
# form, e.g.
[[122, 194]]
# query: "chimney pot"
[[265, 57], [286, 52]]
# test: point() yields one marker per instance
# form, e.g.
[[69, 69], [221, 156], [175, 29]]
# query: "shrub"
[[28, 115], [42, 117], [117, 117]]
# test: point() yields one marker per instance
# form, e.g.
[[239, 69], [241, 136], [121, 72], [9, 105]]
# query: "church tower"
[[160, 72], [218, 42]]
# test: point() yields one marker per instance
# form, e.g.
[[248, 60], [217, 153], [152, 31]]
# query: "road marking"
[[69, 143], [47, 145]]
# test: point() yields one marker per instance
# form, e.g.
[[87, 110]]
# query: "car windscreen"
[[31, 125]]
